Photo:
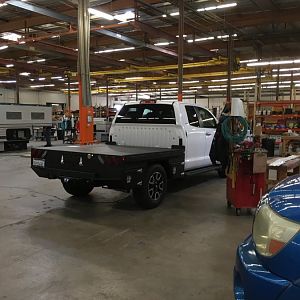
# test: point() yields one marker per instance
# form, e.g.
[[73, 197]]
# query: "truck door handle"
[[208, 134]]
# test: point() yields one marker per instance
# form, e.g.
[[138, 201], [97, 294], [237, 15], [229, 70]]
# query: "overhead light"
[[221, 6], [184, 35], [286, 75], [31, 79], [286, 70], [162, 44], [273, 62], [54, 36], [172, 82], [195, 87], [41, 85], [191, 81], [9, 66], [37, 60], [24, 74], [41, 78], [56, 77], [3, 47], [124, 17], [134, 78], [174, 14], [100, 14], [7, 81], [114, 50], [226, 36], [214, 50], [62, 79], [11, 36], [164, 16], [204, 39], [248, 61], [3, 4], [122, 59], [22, 42]]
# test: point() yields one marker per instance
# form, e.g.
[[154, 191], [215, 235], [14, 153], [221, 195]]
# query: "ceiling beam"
[[69, 19]]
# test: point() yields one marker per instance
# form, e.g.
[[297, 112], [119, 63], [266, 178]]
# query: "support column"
[[277, 84], [180, 48], [69, 94], [107, 104], [17, 91], [83, 66], [229, 67]]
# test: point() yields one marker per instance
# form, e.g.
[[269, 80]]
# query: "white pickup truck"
[[149, 143]]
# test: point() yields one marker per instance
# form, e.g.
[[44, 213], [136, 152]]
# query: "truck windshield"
[[147, 114]]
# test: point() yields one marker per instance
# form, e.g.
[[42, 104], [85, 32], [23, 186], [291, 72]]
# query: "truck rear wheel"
[[150, 194], [77, 187]]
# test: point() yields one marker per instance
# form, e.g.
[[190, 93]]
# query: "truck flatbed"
[[113, 150]]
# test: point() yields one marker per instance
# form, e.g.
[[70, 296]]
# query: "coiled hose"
[[234, 129]]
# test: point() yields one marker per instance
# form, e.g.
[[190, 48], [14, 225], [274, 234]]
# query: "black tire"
[[222, 172], [152, 191], [77, 187]]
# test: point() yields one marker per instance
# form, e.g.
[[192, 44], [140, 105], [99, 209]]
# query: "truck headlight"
[[271, 232]]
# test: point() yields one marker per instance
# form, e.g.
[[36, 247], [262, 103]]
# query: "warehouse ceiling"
[[134, 44]]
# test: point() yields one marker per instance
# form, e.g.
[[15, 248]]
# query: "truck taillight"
[[272, 232], [114, 160]]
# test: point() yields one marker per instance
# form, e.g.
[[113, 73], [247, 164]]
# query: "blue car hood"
[[285, 198]]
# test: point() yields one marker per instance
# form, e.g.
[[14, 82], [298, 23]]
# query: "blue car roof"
[[285, 198]]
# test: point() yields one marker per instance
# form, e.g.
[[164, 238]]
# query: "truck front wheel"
[[77, 187], [154, 186]]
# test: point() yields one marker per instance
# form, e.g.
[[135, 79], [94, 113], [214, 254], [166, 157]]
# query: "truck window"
[[147, 114], [206, 118], [192, 116]]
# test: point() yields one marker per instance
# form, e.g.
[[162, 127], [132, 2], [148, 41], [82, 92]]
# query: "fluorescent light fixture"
[[191, 81], [286, 70], [9, 66], [162, 44], [41, 60], [184, 35], [205, 39], [124, 17], [100, 14], [114, 50], [54, 36], [24, 74], [22, 42], [31, 79], [3, 47], [225, 36], [30, 61], [41, 85], [56, 77], [11, 36], [164, 15], [172, 82], [62, 79], [273, 62], [221, 6], [286, 75], [122, 59], [248, 61], [134, 78], [41, 78], [7, 81], [174, 14], [3, 4]]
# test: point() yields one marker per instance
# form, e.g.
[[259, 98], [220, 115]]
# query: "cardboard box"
[[260, 162], [257, 130]]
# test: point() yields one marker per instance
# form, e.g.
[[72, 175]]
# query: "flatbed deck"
[[114, 150]]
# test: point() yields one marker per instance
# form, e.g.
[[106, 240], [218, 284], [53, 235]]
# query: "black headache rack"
[[118, 167]]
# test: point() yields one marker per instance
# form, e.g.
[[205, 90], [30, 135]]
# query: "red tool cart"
[[246, 181]]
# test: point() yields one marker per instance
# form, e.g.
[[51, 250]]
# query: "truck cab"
[[165, 124]]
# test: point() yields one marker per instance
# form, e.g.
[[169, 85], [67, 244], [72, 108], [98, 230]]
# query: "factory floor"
[[54, 246]]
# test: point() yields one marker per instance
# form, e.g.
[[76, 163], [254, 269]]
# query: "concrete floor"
[[54, 246]]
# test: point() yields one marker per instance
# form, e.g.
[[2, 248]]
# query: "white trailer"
[[17, 122]]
